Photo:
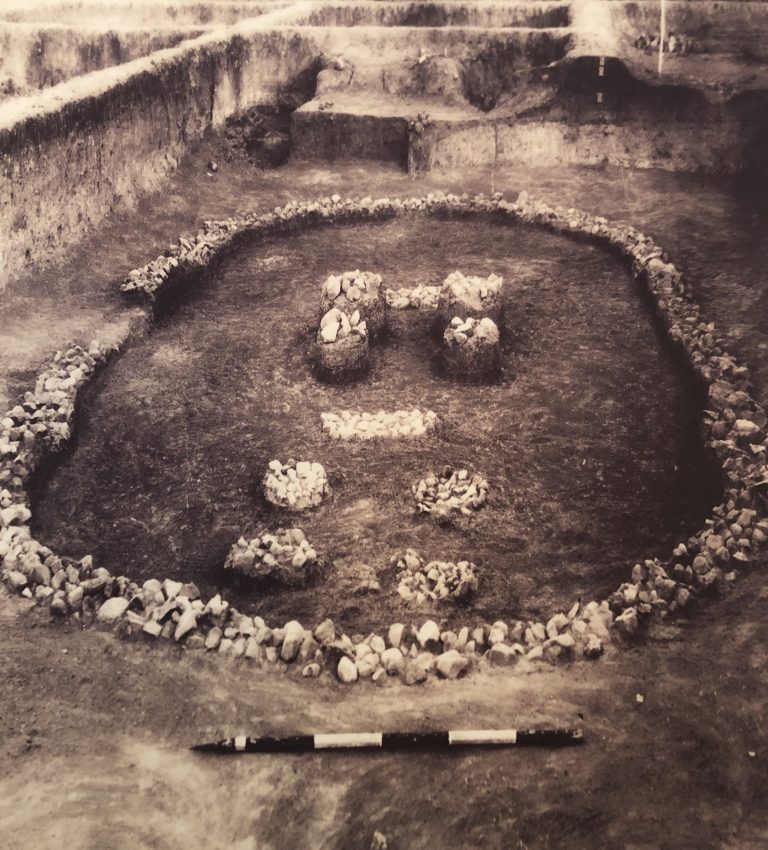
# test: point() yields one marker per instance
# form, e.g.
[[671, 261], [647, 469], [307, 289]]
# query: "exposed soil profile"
[[589, 440]]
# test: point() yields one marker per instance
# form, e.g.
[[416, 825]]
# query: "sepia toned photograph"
[[383, 434]]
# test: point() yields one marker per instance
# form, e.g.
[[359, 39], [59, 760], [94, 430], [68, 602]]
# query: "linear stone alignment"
[[416, 298], [349, 425], [709, 560]]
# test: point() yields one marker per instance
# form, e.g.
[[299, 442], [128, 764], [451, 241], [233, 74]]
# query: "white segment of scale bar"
[[352, 739], [483, 736]]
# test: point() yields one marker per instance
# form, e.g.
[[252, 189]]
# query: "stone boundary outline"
[[734, 427]]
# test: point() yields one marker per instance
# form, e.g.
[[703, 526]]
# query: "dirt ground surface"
[[94, 731]]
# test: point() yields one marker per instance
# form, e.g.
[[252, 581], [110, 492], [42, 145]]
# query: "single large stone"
[[392, 660], [367, 665], [112, 609], [347, 670], [560, 648], [294, 637], [429, 635], [451, 664], [594, 647], [325, 633], [377, 644], [16, 580], [329, 331], [502, 655], [626, 623], [152, 628], [213, 638], [75, 598], [497, 634], [187, 623], [414, 673], [253, 649], [556, 624], [395, 634]]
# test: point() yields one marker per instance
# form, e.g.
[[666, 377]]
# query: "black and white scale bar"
[[392, 741]]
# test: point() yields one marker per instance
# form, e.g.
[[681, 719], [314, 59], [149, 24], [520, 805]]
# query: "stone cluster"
[[283, 556], [471, 348], [452, 491], [336, 326], [342, 346], [673, 43], [296, 485], [418, 581], [734, 424], [359, 292], [470, 297], [420, 297], [348, 425]]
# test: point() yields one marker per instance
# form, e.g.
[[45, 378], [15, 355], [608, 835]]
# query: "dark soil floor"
[[589, 439], [93, 731]]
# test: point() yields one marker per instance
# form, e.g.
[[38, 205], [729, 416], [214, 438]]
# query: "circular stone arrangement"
[[472, 297], [342, 346], [370, 426], [437, 580], [283, 556], [731, 536], [452, 491], [472, 348], [357, 291], [295, 485]]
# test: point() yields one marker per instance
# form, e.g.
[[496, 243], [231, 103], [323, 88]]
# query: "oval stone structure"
[[189, 412]]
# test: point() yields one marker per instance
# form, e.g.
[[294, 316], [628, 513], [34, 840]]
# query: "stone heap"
[[357, 291], [471, 348], [283, 556], [295, 485], [417, 298], [342, 346], [370, 426], [472, 297], [437, 581], [453, 491]]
